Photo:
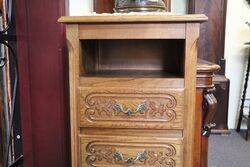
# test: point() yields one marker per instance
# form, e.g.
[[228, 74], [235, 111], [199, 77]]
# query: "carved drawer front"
[[121, 151], [159, 109]]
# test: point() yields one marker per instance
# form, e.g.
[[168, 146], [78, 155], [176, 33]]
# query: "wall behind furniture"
[[237, 33]]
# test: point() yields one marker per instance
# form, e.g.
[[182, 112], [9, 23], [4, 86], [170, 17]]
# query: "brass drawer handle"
[[141, 156], [140, 108]]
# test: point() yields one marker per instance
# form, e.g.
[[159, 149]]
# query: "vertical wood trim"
[[168, 3], [74, 48], [192, 35]]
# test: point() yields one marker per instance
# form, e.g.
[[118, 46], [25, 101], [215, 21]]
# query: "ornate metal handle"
[[210, 106], [129, 161], [129, 112]]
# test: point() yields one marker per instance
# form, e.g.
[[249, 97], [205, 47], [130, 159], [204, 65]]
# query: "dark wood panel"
[[213, 31], [43, 90], [107, 6], [198, 126], [212, 43], [222, 85], [104, 6]]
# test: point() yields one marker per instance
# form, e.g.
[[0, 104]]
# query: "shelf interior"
[[133, 57]]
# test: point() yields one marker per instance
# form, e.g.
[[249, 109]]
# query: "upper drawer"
[[131, 108]]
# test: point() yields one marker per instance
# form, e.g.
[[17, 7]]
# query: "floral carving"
[[99, 153], [137, 107]]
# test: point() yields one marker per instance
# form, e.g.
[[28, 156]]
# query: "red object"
[[43, 82]]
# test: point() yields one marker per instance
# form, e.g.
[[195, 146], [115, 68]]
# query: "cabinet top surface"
[[122, 18]]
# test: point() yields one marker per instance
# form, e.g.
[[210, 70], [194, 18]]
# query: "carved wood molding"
[[136, 107], [160, 155]]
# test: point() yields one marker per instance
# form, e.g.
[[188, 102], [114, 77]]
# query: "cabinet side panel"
[[74, 54], [192, 35]]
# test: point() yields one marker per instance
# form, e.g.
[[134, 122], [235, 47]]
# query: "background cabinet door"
[[43, 87]]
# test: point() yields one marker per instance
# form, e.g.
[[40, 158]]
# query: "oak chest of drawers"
[[133, 89]]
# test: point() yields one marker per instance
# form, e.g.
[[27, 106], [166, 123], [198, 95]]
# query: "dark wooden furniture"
[[212, 49], [43, 82], [242, 116], [107, 6], [128, 104], [206, 105]]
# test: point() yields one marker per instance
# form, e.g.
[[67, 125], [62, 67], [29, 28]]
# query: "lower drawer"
[[129, 150]]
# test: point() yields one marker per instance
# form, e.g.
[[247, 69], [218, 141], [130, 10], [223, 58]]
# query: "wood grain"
[[212, 44], [133, 18], [198, 156], [132, 82], [43, 86], [212, 40], [135, 31], [128, 103], [74, 57], [104, 6], [192, 35], [167, 151], [149, 108]]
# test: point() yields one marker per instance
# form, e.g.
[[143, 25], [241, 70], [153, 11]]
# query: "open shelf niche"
[[133, 58]]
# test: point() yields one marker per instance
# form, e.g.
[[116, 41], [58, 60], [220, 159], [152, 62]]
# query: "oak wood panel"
[[133, 18], [170, 133], [99, 150], [134, 82], [144, 108], [74, 69], [134, 57], [192, 35], [131, 97], [132, 31]]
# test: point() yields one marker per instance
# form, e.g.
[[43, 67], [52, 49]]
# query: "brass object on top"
[[126, 6]]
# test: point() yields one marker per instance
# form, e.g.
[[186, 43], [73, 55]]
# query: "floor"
[[229, 151]]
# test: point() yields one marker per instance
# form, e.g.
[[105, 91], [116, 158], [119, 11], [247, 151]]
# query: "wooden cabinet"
[[133, 90]]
